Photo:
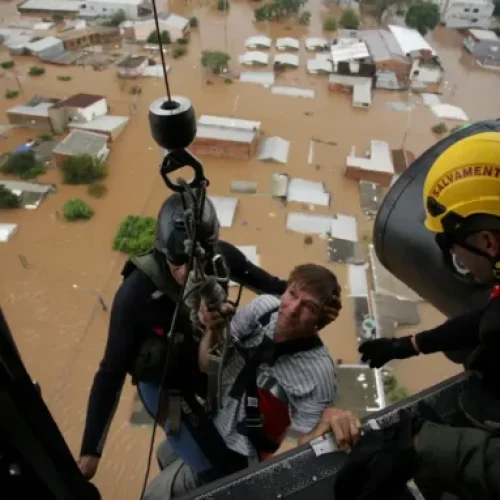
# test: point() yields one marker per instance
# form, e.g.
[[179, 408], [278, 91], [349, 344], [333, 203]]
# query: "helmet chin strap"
[[495, 261]]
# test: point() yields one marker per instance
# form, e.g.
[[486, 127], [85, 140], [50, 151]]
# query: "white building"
[[254, 57], [133, 9], [466, 13], [377, 167], [351, 51], [426, 73], [177, 27], [258, 42], [287, 43], [84, 107]]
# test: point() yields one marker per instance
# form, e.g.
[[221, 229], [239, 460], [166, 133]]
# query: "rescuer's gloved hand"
[[378, 352]]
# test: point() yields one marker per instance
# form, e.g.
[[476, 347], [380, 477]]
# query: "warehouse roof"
[[79, 142]]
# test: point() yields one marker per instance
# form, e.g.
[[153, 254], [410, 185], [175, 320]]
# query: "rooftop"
[[79, 142], [51, 5], [349, 51], [358, 389], [80, 101], [484, 34], [131, 62], [120, 2], [258, 41], [410, 40], [105, 123], [382, 45], [42, 44], [227, 129], [175, 21], [41, 109], [287, 42], [380, 159]]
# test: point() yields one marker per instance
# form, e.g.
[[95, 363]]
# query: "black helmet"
[[171, 230]]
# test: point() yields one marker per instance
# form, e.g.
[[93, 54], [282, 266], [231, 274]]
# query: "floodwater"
[[61, 330]]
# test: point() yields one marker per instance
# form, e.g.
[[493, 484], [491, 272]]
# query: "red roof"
[[79, 101]]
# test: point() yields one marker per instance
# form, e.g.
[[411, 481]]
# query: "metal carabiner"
[[177, 159]]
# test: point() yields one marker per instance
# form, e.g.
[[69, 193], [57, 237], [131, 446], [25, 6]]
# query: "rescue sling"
[[268, 352]]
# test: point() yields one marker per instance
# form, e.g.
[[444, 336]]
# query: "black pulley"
[[172, 122]]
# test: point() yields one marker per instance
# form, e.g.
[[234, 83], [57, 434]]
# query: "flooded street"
[[61, 330]]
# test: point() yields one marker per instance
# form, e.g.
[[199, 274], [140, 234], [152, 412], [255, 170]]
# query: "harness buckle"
[[253, 422]]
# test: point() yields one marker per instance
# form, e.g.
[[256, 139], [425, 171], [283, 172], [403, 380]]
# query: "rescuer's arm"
[[249, 275], [108, 381], [461, 459], [457, 333], [206, 343]]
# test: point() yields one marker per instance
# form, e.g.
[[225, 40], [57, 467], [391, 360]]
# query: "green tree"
[[215, 60], [23, 164], [179, 50], [76, 209], [496, 12], [289, 7], [165, 37], [45, 137], [64, 78], [116, 19], [193, 22], [439, 128], [135, 235], [7, 64], [82, 169], [305, 18], [423, 16], [222, 4], [329, 24], [349, 19], [11, 93], [36, 71], [8, 199], [57, 18]]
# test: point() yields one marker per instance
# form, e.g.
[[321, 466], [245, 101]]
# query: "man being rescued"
[[278, 375]]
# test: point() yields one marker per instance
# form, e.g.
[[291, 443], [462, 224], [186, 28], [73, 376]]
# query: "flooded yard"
[[61, 329]]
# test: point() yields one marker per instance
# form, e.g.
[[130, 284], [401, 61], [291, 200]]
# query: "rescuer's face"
[[179, 272], [479, 266], [299, 312]]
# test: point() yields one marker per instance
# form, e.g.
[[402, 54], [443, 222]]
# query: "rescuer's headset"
[[462, 196], [171, 233]]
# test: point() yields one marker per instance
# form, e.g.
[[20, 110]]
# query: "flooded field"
[[61, 330]]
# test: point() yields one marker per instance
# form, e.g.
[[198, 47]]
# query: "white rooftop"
[[41, 109], [410, 40], [105, 123], [380, 159], [175, 21], [43, 26], [228, 129], [314, 43], [52, 5], [349, 52], [254, 57], [293, 91], [343, 227], [483, 34], [265, 78], [287, 59], [258, 41], [43, 43], [6, 231], [319, 65], [304, 191], [119, 2], [449, 112], [225, 208], [358, 282], [274, 149], [287, 43]]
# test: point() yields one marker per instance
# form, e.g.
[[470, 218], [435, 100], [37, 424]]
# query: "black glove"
[[380, 464], [379, 351]]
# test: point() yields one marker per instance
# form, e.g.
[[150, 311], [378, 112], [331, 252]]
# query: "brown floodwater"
[[61, 330]]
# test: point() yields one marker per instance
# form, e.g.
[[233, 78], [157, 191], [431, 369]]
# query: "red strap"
[[495, 293]]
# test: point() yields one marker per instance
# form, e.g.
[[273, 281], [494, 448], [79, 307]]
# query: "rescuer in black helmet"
[[142, 313]]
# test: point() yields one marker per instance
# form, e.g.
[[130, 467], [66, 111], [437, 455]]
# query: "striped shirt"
[[307, 377]]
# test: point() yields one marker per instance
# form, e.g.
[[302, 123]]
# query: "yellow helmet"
[[463, 181]]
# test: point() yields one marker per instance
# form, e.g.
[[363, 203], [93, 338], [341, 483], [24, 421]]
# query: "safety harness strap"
[[166, 285], [267, 352]]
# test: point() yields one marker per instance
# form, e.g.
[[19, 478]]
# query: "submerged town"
[[307, 112]]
